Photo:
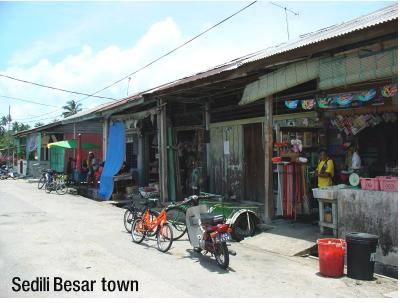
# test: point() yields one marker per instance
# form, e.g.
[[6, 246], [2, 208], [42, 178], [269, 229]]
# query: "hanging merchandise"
[[326, 102], [388, 91], [308, 104], [291, 104], [355, 161], [367, 95], [344, 100]]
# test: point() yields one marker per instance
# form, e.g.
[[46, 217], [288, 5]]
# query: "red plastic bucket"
[[331, 252]]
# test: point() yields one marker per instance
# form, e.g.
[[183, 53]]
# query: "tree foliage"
[[71, 108]]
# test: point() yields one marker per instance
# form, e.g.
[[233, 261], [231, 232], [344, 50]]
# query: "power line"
[[40, 120], [44, 114], [171, 51], [28, 101], [56, 88]]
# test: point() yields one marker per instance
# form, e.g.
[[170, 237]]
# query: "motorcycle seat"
[[211, 219]]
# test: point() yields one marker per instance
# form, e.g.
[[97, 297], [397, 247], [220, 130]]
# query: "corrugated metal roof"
[[85, 113], [37, 129], [381, 16], [378, 17]]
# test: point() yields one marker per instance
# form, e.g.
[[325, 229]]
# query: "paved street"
[[79, 239]]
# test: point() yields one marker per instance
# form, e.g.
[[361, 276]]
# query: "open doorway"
[[254, 188], [190, 159]]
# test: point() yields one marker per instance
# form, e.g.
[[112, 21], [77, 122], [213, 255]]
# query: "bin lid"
[[361, 237]]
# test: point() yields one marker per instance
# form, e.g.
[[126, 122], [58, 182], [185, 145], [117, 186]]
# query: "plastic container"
[[369, 183], [361, 249], [331, 252], [387, 183]]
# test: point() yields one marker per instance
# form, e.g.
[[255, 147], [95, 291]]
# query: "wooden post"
[[105, 136], [162, 150], [207, 125], [268, 141]]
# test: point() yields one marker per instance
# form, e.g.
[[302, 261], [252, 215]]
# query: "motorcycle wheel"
[[138, 231], [222, 255], [164, 237], [41, 182], [177, 218]]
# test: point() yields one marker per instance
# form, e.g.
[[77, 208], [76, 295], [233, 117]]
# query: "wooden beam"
[[106, 122], [162, 151], [207, 119], [268, 138]]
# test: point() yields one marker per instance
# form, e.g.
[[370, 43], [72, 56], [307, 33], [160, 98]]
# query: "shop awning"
[[72, 144]]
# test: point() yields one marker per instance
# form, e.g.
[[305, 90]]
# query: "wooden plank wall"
[[226, 171]]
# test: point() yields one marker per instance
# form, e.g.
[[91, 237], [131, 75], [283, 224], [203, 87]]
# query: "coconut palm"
[[71, 108]]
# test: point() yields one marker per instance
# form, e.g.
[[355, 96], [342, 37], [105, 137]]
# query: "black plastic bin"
[[361, 248]]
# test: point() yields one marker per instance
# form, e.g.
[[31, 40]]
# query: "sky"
[[85, 46]]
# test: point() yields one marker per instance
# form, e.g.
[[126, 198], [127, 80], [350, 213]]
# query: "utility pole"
[[8, 133]]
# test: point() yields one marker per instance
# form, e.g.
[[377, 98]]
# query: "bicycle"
[[57, 183], [147, 226], [133, 212], [42, 179], [176, 213]]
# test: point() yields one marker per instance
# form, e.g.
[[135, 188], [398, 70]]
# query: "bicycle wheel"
[[128, 220], [177, 219], [164, 237], [48, 187], [138, 231], [41, 182], [61, 188]]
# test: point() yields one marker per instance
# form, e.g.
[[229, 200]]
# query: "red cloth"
[[78, 154]]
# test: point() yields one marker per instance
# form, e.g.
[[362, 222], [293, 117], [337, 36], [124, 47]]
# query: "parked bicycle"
[[176, 213], [57, 183], [148, 226], [43, 178], [133, 212]]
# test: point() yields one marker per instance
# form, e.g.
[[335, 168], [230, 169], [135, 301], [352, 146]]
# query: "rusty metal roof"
[[384, 15]]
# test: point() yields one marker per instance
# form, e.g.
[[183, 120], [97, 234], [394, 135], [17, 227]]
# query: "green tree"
[[71, 108], [38, 124]]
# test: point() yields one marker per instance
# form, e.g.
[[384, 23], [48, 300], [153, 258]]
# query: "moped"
[[208, 232]]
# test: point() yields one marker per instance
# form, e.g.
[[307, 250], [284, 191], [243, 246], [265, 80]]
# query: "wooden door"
[[254, 187]]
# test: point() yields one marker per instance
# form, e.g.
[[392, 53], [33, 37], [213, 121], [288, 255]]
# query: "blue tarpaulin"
[[114, 158]]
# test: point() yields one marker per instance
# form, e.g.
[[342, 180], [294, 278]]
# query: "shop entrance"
[[190, 162], [254, 189]]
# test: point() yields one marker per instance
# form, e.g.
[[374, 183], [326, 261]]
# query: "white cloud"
[[89, 70]]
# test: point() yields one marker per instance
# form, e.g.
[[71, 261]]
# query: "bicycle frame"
[[160, 220]]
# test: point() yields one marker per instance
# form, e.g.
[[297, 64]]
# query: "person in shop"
[[70, 170], [325, 169], [93, 166]]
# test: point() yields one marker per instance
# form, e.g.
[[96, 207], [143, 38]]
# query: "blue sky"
[[85, 46]]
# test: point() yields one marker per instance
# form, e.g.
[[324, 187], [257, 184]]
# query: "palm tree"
[[4, 121], [15, 127], [71, 108], [38, 124]]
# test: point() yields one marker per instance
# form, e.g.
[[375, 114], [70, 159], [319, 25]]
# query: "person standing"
[[325, 169]]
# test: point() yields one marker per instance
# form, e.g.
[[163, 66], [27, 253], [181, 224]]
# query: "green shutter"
[[350, 69], [57, 159]]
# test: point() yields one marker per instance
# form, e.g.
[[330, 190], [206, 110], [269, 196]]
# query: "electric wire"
[[171, 51], [28, 101], [56, 88]]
